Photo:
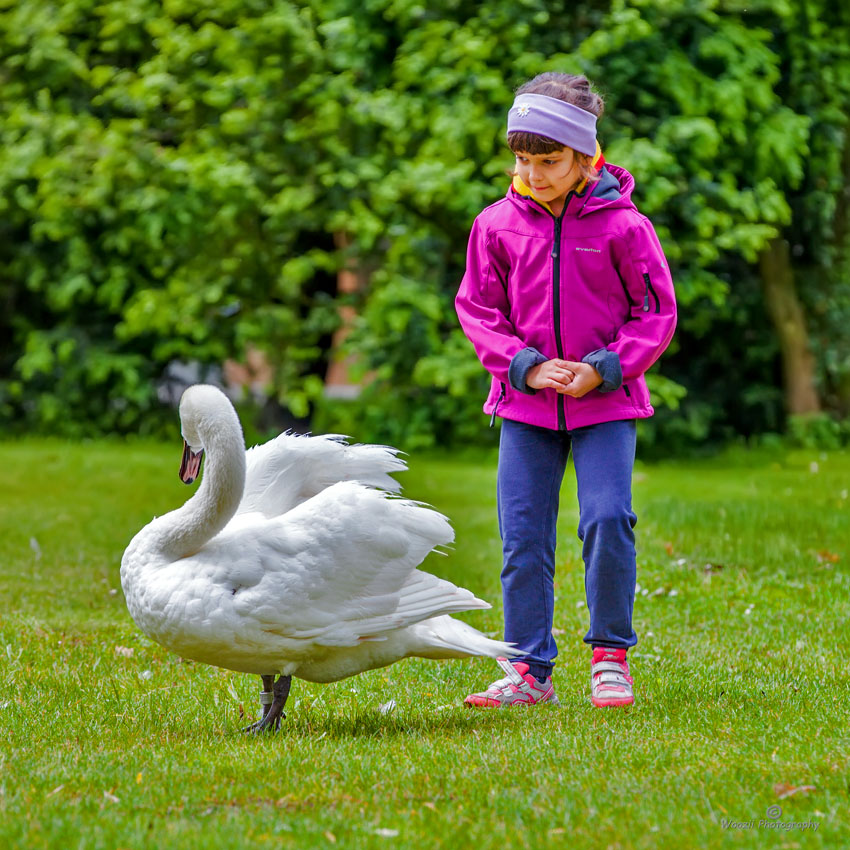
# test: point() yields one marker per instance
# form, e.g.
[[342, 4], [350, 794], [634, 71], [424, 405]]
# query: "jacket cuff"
[[607, 363], [522, 361]]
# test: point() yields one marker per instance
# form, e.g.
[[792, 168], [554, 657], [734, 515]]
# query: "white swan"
[[288, 561]]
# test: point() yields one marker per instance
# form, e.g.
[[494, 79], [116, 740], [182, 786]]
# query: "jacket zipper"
[[556, 306], [498, 402], [650, 288]]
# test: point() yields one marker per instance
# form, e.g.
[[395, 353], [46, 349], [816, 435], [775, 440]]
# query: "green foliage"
[[818, 431], [149, 176], [176, 175], [693, 111]]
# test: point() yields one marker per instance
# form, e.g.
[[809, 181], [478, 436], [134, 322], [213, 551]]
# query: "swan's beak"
[[190, 466]]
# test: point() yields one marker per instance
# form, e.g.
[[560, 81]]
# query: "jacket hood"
[[612, 190]]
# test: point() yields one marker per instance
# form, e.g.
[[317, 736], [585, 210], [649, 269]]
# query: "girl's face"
[[552, 176]]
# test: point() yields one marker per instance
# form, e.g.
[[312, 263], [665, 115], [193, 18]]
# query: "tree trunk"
[[841, 253], [786, 313]]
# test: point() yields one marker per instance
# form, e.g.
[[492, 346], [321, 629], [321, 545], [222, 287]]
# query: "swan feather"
[[292, 468]]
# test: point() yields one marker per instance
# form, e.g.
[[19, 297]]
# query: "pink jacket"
[[593, 285]]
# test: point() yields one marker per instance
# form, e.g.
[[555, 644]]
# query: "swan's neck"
[[184, 531]]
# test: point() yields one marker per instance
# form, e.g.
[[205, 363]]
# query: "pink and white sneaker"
[[518, 687], [610, 682]]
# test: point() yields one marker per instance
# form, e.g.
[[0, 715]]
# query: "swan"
[[293, 559]]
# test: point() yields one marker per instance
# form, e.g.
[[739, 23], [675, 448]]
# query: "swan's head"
[[205, 412]]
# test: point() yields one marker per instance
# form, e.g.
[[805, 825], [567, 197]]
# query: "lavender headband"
[[548, 116]]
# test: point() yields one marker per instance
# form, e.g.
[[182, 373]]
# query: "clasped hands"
[[564, 376]]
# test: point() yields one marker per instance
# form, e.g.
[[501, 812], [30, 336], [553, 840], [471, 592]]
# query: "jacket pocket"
[[627, 391], [647, 280]]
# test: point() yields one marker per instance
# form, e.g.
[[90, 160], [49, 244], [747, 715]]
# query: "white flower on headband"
[[523, 110]]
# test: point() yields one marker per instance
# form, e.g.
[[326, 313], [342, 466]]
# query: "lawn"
[[741, 680]]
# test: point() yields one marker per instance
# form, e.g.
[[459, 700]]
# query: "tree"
[[155, 157], [693, 110], [184, 180], [813, 41]]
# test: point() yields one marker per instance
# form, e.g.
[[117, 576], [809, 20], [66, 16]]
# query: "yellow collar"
[[526, 191]]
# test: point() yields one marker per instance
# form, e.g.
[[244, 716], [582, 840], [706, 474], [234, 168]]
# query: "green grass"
[[108, 741]]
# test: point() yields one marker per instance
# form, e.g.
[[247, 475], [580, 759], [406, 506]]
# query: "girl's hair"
[[570, 88]]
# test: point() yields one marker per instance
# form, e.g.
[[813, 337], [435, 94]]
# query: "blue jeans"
[[532, 461]]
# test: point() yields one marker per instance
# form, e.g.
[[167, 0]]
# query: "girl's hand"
[[585, 379], [552, 373]]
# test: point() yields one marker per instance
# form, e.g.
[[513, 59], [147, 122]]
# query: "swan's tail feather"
[[425, 596], [445, 637]]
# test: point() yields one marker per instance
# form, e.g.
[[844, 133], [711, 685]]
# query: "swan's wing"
[[292, 468], [336, 570]]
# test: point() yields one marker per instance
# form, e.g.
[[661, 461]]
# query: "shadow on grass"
[[429, 724]]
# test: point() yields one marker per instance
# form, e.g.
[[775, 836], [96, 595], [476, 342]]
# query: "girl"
[[568, 300]]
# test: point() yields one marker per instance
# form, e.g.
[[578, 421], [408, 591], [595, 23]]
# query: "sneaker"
[[610, 682], [518, 687]]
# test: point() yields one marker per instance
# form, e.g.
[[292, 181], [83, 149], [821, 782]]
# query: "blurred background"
[[276, 196]]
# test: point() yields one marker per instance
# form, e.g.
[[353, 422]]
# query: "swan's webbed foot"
[[273, 698]]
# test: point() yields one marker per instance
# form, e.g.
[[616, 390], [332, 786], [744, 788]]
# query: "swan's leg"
[[267, 694], [281, 694], [273, 713], [266, 699]]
